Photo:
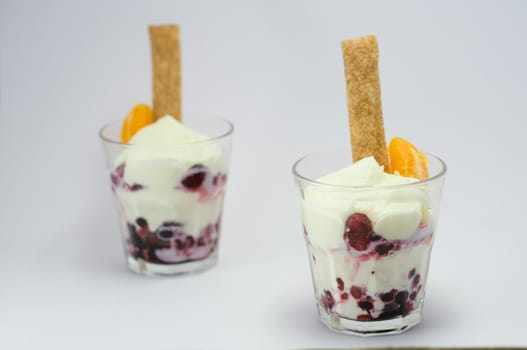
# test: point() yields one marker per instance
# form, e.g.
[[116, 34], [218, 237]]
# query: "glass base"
[[142, 267], [370, 328]]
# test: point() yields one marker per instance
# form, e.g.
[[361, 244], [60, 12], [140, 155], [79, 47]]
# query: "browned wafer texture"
[[166, 70], [366, 125]]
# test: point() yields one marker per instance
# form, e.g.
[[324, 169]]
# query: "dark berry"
[[215, 180], [365, 305], [141, 222], [136, 187], [401, 297], [406, 309], [340, 283], [387, 297], [131, 229], [416, 280], [172, 224], [390, 307], [344, 296], [413, 295], [201, 242], [375, 237], [194, 180], [356, 292], [166, 234], [358, 232], [390, 314], [411, 273], [189, 241], [384, 249]]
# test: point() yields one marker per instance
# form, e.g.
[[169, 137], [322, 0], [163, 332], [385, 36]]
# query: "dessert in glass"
[[168, 174], [370, 215]]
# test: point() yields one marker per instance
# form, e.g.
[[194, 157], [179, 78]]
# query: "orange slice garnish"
[[406, 159], [139, 117]]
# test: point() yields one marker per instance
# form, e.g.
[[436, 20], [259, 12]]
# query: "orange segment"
[[139, 117], [406, 159]]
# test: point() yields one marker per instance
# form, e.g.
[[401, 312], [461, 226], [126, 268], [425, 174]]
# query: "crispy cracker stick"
[[361, 57], [166, 70]]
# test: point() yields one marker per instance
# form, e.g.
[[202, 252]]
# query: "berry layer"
[[358, 284]]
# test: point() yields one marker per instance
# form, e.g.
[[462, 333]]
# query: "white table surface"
[[453, 80]]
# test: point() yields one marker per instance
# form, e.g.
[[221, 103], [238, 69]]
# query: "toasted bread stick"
[[366, 125], [166, 70]]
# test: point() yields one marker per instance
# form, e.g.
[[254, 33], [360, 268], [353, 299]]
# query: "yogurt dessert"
[[369, 241], [369, 215], [369, 236], [169, 185], [168, 175]]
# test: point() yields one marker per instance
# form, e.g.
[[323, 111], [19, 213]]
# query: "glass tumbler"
[[369, 246], [169, 197]]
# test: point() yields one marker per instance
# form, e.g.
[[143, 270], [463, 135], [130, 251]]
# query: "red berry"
[[340, 283], [356, 292], [359, 232], [364, 318], [327, 300]]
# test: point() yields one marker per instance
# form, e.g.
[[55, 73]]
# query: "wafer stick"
[[166, 70], [361, 57]]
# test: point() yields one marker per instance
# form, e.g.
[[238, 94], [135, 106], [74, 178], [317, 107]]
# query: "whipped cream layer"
[[396, 210], [169, 139]]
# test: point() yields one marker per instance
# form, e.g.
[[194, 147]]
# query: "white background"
[[453, 82]]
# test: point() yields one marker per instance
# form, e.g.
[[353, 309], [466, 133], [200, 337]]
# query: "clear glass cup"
[[169, 198], [366, 283]]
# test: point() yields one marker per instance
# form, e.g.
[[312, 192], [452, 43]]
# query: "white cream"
[[395, 211], [167, 138]]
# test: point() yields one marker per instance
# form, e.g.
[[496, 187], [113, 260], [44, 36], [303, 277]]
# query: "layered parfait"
[[369, 216], [168, 178], [369, 245], [169, 185]]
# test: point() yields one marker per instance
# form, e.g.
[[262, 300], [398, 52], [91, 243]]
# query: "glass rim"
[[296, 173], [230, 130]]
